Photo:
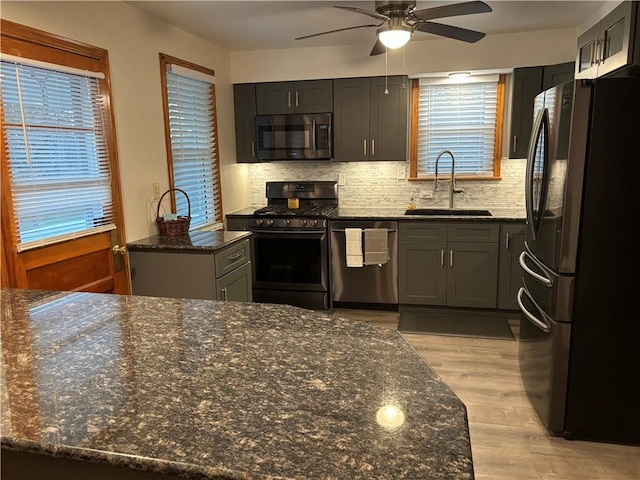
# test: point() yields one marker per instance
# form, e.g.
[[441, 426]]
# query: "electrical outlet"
[[342, 179], [401, 173], [156, 191], [426, 194]]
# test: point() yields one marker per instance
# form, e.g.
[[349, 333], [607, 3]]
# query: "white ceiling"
[[264, 25]]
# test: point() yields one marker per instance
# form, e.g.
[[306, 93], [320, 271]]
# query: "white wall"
[[134, 39], [492, 52]]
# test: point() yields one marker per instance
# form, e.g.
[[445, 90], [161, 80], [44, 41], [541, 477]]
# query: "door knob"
[[120, 250]]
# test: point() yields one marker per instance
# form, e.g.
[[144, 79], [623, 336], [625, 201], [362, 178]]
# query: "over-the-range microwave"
[[294, 137]]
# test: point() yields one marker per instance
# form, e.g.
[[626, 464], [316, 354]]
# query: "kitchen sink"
[[449, 211]]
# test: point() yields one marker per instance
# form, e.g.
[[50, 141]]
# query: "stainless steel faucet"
[[452, 187]]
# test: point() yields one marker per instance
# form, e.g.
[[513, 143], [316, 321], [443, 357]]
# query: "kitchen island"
[[220, 390]]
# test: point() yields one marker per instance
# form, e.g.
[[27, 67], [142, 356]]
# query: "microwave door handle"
[[523, 263], [313, 136], [532, 318]]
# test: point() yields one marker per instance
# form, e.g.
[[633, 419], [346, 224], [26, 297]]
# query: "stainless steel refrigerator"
[[579, 346]]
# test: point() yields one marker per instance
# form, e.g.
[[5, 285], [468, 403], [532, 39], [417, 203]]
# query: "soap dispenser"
[[412, 202]]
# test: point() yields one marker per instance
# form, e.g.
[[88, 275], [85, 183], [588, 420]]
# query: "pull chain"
[[386, 71]]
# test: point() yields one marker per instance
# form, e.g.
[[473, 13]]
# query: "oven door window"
[[290, 261]]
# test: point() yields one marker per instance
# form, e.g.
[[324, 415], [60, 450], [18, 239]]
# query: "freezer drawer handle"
[[537, 322], [544, 280]]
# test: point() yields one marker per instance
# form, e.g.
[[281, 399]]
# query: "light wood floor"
[[508, 441]]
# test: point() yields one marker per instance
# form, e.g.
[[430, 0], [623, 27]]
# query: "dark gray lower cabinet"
[[221, 275], [512, 237], [448, 264]]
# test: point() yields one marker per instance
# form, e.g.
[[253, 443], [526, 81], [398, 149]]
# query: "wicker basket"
[[180, 226]]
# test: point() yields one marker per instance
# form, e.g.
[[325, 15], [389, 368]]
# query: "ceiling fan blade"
[[376, 15], [454, 10], [457, 33], [378, 48], [337, 30]]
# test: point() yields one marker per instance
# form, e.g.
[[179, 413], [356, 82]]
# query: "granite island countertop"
[[202, 241], [206, 389]]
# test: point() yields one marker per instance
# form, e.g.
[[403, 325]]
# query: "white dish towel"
[[354, 246]]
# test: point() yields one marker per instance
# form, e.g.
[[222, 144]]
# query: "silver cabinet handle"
[[297, 98], [225, 295], [514, 143], [522, 260], [373, 147], [535, 320], [442, 258], [364, 143], [289, 99], [506, 241], [235, 257], [253, 149], [451, 258]]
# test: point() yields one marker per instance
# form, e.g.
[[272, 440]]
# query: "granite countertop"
[[206, 389], [197, 241], [498, 214]]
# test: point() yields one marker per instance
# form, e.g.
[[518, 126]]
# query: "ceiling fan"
[[399, 19]]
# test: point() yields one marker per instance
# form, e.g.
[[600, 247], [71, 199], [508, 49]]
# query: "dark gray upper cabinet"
[[527, 83], [244, 102], [370, 124], [611, 44], [442, 264], [306, 96], [512, 237]]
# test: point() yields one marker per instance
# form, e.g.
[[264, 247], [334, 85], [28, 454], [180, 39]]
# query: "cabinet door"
[[389, 118], [236, 285], [617, 38], [472, 276], [510, 274], [274, 98], [586, 66], [244, 102], [422, 273], [313, 96], [553, 75], [351, 119], [527, 83]]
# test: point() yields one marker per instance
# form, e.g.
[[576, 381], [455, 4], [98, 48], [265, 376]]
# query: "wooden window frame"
[[166, 60], [497, 150]]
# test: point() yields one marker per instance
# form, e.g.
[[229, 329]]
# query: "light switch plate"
[[401, 172], [342, 180]]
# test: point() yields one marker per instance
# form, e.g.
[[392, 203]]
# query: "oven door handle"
[[289, 232], [532, 318]]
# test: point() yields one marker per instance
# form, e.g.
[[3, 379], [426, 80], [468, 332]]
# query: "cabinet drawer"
[[423, 231], [232, 257], [473, 232]]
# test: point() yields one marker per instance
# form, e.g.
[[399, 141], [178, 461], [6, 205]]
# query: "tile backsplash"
[[371, 184]]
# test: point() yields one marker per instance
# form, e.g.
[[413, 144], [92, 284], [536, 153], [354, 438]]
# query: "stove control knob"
[[259, 221], [303, 222], [286, 222], [268, 222], [314, 223]]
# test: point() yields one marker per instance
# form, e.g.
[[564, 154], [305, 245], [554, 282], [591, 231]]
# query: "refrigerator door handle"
[[532, 318], [547, 282]]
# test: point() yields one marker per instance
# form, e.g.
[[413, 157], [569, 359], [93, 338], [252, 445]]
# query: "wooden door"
[[89, 262]]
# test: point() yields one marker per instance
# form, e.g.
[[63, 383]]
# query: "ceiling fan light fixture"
[[394, 35]]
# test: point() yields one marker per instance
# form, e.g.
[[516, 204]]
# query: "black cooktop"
[[303, 211]]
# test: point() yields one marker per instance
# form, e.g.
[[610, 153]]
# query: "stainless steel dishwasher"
[[369, 283]]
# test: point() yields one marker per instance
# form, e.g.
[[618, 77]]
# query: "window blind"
[[57, 154], [193, 147], [460, 117]]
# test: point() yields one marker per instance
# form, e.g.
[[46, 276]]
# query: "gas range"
[[316, 201]]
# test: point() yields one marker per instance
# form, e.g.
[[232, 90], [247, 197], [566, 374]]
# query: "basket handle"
[[178, 190]]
